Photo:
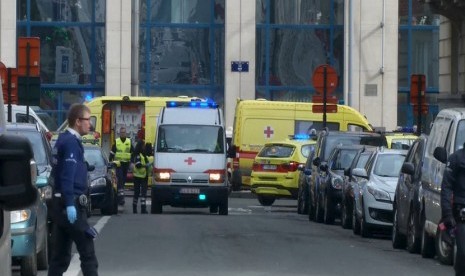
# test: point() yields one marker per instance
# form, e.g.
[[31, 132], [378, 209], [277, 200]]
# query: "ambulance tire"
[[266, 200], [156, 207], [223, 207]]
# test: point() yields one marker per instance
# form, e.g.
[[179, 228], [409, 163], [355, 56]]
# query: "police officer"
[[141, 163], [453, 204], [69, 201], [121, 151]]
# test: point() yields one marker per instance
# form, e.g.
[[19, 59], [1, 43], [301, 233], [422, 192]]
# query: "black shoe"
[[143, 210], [134, 209]]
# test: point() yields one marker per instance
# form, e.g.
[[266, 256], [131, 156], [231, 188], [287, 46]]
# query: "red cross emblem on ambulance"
[[269, 131], [189, 161]]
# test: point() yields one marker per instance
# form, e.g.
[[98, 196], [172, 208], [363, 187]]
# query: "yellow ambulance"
[[257, 122]]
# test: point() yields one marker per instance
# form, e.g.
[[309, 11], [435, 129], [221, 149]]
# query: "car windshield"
[[35, 138], [333, 141], [276, 151], [400, 143], [94, 157], [388, 165], [190, 138]]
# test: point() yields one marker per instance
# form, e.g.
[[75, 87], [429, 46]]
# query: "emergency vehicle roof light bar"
[[299, 137], [194, 104]]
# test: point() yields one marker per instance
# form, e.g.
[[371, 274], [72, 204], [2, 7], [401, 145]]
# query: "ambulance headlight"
[[215, 176], [162, 175]]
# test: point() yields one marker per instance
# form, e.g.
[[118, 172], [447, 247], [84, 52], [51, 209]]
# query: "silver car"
[[374, 193]]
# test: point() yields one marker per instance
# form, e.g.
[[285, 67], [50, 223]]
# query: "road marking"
[[74, 268]]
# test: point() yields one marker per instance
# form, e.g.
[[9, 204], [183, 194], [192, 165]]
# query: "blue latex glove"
[[71, 212]]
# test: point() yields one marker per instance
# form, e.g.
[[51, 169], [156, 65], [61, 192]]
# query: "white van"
[[18, 115], [189, 168], [447, 134]]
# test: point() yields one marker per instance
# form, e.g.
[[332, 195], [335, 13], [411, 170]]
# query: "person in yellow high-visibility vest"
[[141, 164], [121, 151]]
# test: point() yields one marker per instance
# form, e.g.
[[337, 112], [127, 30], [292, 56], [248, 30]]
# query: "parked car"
[[349, 180], [102, 180], [326, 142], [400, 140], [29, 226], [374, 193], [406, 227], [330, 190], [274, 171], [447, 135], [304, 179]]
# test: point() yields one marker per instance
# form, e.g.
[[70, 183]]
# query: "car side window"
[[22, 118], [438, 133], [334, 162], [448, 130], [460, 135], [417, 158]]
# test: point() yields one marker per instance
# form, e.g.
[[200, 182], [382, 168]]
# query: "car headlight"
[[98, 182], [20, 216], [336, 182], [378, 194]]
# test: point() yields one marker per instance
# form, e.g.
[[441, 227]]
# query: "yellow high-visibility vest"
[[142, 171], [123, 150]]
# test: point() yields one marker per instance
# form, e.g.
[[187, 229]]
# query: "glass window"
[[460, 135], [94, 157], [362, 160], [300, 12], [22, 118], [180, 11], [425, 55], [35, 138], [276, 151], [307, 150], [388, 165], [306, 127], [190, 138], [421, 14], [63, 10], [68, 55]]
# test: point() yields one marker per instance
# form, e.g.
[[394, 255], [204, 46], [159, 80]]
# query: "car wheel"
[[346, 216], [223, 207], [444, 251], [318, 212], [365, 230], [355, 221], [299, 201], [413, 239], [42, 256], [397, 238], [328, 216], [266, 200], [213, 209], [109, 208], [156, 207], [29, 265], [427, 243], [311, 209]]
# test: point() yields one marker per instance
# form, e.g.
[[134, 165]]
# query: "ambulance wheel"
[[223, 207], [213, 209], [266, 200], [156, 207]]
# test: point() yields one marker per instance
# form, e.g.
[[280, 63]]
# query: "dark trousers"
[[63, 235], [140, 189], [121, 173]]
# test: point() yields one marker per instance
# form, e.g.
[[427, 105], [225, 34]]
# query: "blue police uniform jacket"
[[70, 167]]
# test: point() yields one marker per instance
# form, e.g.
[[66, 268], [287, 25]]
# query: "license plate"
[[189, 191], [269, 167]]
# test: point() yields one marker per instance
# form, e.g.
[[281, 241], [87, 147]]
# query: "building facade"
[[229, 49]]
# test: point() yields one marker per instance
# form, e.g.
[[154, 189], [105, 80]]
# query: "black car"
[[330, 190], [407, 226], [327, 141], [102, 180], [359, 161]]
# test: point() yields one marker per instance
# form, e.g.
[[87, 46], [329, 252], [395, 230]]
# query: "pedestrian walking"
[[69, 202], [121, 151], [141, 164]]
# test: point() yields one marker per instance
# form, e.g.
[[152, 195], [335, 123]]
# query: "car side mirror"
[[90, 167], [360, 172], [18, 173], [408, 168], [440, 154], [324, 167]]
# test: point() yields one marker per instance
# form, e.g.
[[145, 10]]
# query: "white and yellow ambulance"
[[257, 122]]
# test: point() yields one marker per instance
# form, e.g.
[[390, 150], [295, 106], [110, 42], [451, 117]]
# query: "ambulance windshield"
[[190, 138]]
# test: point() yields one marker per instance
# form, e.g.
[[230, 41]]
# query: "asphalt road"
[[252, 240]]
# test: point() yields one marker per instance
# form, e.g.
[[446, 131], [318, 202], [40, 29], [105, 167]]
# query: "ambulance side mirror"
[[18, 173]]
